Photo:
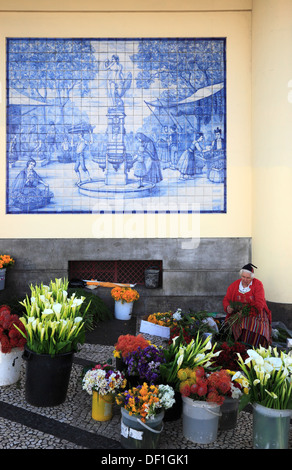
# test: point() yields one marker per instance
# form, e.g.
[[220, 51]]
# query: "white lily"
[[254, 356], [78, 319], [57, 307], [47, 311]]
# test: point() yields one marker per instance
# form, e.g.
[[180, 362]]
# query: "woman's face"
[[246, 279]]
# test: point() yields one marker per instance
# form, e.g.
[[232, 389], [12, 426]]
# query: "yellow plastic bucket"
[[102, 407]]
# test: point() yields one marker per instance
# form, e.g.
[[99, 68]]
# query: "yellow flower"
[[182, 374]]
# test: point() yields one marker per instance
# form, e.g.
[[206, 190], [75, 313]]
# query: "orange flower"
[[162, 318], [5, 261], [125, 294], [129, 343]]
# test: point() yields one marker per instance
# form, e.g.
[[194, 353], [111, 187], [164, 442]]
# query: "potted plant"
[[142, 409], [269, 375], [103, 382], [5, 261], [53, 331], [124, 298], [11, 344]]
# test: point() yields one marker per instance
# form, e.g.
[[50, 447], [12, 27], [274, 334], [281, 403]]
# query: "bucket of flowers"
[[124, 298], [179, 355], [142, 409], [5, 262], [11, 344], [269, 375], [103, 382], [53, 332], [203, 394]]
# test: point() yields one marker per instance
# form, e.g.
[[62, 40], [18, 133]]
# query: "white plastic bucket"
[[10, 366], [123, 311], [135, 434], [200, 420]]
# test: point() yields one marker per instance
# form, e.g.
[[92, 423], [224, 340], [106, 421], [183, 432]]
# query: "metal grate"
[[130, 271]]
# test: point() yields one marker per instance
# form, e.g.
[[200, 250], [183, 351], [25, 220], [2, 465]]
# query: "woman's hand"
[[229, 309]]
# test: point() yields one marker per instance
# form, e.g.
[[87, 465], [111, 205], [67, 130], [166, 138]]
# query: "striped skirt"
[[253, 330]]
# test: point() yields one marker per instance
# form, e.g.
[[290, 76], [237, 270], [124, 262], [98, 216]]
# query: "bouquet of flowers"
[[145, 363], [10, 336], [165, 318], [5, 261], [146, 401], [240, 311], [124, 294], [52, 322], [228, 355], [103, 379], [269, 375], [198, 352], [129, 343], [213, 387]]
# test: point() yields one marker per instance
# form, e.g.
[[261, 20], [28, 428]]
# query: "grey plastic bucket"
[[152, 277], [2, 278], [270, 427], [229, 410], [138, 435], [200, 421]]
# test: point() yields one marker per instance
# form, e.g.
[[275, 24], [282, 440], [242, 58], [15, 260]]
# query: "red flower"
[[129, 343], [10, 337], [185, 390], [228, 358], [215, 398]]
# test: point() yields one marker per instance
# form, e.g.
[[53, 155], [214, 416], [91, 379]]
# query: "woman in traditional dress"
[[147, 152], [26, 193], [253, 328]]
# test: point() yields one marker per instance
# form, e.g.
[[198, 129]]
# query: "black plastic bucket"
[[152, 277], [47, 377]]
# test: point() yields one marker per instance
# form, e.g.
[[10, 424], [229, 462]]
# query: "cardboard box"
[[153, 329]]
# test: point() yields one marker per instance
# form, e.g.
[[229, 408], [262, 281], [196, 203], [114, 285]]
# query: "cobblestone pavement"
[[70, 425]]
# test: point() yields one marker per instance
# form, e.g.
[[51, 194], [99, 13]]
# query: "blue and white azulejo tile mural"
[[116, 125]]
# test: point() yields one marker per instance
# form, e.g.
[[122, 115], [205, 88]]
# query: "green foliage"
[[97, 310]]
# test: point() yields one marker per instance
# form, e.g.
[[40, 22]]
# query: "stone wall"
[[196, 272]]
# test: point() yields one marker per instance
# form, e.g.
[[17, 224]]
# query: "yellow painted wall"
[[272, 145], [170, 18]]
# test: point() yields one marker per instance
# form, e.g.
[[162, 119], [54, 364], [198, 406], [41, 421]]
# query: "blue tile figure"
[[29, 191], [116, 125]]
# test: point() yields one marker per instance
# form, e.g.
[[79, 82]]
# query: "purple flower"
[[145, 363]]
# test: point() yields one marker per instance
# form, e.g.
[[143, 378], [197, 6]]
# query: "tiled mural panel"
[[116, 125]]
